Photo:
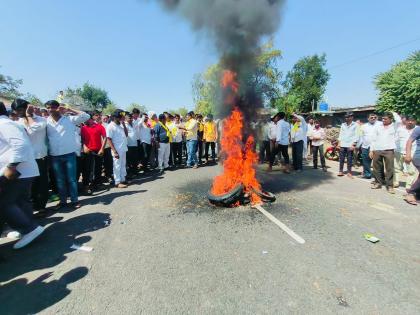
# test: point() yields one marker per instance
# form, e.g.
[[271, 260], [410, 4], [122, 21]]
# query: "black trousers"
[[315, 150], [108, 164], [91, 169], [346, 152], [265, 154], [383, 167], [146, 150], [200, 151], [51, 177], [16, 207], [297, 155], [132, 159], [211, 145], [284, 150], [40, 185], [176, 152]]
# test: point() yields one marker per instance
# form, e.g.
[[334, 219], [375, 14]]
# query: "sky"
[[141, 53]]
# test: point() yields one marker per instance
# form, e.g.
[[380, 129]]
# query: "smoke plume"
[[237, 28]]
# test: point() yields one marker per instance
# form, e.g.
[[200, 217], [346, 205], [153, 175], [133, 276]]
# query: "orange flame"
[[239, 158]]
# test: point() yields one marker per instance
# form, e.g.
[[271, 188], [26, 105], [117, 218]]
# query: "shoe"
[[41, 213], [391, 190], [315, 167], [59, 206], [121, 185], [396, 185], [54, 198], [195, 166], [14, 235], [28, 238], [75, 205], [340, 174], [410, 199], [376, 186]]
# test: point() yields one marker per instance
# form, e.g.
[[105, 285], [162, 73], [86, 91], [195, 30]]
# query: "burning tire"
[[264, 195], [227, 199]]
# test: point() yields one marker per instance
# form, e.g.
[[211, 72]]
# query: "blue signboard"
[[323, 107]]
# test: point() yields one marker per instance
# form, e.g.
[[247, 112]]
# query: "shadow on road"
[[108, 198], [277, 182], [22, 296]]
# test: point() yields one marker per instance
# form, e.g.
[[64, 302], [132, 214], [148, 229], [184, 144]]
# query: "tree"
[[266, 80], [183, 111], [110, 109], [141, 108], [399, 88], [33, 99], [9, 87], [306, 82], [88, 97]]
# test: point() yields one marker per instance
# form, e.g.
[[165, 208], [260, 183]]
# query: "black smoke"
[[237, 28]]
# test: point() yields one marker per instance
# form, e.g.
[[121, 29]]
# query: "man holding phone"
[[17, 171]]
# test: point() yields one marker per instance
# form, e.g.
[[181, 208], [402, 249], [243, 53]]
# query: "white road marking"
[[280, 224]]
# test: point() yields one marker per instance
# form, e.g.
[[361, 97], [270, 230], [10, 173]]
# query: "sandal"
[[410, 199], [376, 186]]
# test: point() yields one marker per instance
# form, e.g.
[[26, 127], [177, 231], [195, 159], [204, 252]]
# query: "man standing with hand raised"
[[61, 132]]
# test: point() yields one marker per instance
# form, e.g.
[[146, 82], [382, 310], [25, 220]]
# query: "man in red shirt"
[[93, 141]]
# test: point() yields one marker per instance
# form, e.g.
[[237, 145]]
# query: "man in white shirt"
[[281, 142], [145, 135], [317, 136], [298, 136], [383, 153], [264, 141], [404, 130], [348, 140], [36, 128], [63, 145], [177, 140], [133, 149], [117, 133], [365, 143], [311, 126], [17, 171]]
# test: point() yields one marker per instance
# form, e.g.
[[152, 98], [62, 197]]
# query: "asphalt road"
[[159, 248]]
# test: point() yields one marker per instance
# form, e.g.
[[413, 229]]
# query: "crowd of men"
[[389, 149], [44, 152]]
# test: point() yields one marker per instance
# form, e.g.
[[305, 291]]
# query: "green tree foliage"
[[183, 111], [141, 108], [110, 108], [9, 87], [206, 86], [88, 97], [399, 88], [305, 84], [33, 99]]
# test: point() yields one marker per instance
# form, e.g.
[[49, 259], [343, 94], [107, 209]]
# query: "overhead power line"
[[374, 54]]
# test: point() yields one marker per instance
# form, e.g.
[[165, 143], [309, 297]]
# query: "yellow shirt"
[[210, 131], [192, 127]]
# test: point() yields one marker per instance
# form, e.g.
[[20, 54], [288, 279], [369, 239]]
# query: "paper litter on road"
[[81, 247], [371, 238], [264, 252]]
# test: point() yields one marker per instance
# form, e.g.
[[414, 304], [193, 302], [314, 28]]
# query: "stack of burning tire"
[[238, 196]]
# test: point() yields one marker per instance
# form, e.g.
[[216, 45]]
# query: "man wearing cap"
[[348, 139], [117, 133]]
